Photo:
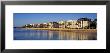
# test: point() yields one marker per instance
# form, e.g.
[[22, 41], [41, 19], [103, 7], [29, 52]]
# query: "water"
[[26, 34]]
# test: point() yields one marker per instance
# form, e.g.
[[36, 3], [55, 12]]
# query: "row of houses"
[[61, 24]]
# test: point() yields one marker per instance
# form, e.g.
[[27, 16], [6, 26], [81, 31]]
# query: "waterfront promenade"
[[64, 29]]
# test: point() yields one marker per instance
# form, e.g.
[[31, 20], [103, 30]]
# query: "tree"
[[93, 24]]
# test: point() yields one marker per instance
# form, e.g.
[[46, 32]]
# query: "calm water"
[[26, 34]]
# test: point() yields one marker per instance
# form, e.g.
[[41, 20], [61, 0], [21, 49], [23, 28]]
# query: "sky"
[[21, 19]]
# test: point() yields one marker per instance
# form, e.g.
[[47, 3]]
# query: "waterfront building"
[[71, 24], [45, 25], [36, 25], [28, 25], [50, 24], [83, 24], [53, 25], [41, 25], [62, 24]]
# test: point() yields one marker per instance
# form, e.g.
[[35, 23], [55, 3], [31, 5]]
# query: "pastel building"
[[53, 25], [62, 24], [83, 24], [71, 24]]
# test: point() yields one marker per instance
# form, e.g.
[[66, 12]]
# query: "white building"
[[71, 24], [75, 24], [83, 24], [62, 24]]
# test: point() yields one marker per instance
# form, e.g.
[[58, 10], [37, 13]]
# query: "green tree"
[[93, 24]]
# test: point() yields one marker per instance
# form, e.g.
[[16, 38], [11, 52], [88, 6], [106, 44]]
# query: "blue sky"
[[21, 19]]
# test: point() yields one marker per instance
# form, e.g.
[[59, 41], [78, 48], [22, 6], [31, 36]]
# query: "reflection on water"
[[24, 34]]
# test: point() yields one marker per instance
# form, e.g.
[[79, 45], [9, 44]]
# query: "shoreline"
[[64, 29]]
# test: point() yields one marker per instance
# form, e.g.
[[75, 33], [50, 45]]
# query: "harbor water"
[[28, 34]]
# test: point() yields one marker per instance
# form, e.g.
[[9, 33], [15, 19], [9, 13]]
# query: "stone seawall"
[[64, 29]]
